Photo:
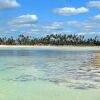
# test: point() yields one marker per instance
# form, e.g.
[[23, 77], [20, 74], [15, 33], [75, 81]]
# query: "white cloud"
[[54, 26], [72, 23], [94, 4], [97, 17], [4, 4], [24, 19], [68, 11], [24, 23], [85, 26], [27, 24], [92, 33]]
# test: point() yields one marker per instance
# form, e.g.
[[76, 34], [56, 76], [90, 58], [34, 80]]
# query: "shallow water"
[[49, 74]]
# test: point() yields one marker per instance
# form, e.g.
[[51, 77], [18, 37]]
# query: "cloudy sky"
[[41, 17]]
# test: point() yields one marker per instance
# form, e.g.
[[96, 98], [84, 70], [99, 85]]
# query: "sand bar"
[[53, 47]]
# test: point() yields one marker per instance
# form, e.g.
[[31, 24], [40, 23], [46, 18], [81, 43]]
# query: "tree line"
[[53, 39]]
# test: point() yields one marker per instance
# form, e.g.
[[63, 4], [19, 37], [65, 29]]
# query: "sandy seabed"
[[40, 90]]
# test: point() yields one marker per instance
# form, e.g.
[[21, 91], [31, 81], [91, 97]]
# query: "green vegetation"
[[52, 39]]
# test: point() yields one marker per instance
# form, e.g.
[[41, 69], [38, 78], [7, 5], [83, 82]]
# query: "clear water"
[[49, 74]]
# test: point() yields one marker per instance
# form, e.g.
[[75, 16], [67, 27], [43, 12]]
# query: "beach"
[[53, 47]]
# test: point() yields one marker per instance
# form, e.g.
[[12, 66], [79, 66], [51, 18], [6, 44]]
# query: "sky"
[[42, 17]]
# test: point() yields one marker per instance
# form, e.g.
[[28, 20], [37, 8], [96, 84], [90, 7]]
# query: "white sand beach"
[[53, 47]]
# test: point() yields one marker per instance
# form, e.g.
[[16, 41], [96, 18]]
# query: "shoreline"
[[46, 46], [53, 47]]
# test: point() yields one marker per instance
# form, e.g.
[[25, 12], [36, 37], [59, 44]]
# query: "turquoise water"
[[49, 74]]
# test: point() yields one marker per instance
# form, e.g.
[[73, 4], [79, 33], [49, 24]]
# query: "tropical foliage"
[[53, 39]]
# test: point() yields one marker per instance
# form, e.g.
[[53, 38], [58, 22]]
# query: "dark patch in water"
[[24, 78], [7, 68]]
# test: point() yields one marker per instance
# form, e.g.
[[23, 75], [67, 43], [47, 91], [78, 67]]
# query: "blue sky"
[[38, 18]]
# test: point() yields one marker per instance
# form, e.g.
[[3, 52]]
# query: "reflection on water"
[[95, 61], [73, 69]]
